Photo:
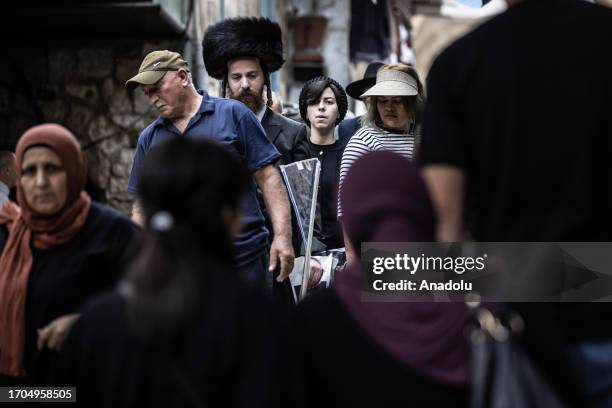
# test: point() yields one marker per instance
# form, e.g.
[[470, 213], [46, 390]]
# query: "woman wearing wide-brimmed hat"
[[392, 117]]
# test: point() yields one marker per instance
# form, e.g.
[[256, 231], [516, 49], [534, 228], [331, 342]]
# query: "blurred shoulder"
[[103, 220], [105, 212]]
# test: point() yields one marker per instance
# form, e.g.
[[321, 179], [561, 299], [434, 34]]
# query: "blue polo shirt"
[[232, 124]]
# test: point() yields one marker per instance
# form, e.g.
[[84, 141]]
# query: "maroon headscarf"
[[27, 228], [384, 199]]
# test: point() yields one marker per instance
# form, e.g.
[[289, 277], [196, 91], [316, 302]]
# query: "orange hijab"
[[28, 229]]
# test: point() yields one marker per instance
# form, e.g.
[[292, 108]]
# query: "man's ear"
[[183, 75]]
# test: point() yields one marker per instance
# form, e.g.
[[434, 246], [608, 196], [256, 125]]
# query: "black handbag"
[[503, 376]]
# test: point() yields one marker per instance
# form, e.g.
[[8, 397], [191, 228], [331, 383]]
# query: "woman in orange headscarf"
[[57, 249]]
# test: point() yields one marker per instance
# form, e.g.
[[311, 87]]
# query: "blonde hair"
[[413, 104]]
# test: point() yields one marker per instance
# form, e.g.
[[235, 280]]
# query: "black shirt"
[[327, 227], [522, 105]]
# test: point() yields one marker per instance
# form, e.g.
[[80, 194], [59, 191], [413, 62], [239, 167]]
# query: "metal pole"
[[313, 210]]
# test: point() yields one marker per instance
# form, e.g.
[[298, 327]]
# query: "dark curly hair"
[[311, 93]]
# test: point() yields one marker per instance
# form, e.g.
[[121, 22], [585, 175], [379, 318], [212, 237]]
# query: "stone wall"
[[82, 89], [79, 84]]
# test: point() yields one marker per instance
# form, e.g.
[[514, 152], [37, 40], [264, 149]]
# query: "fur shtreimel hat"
[[341, 99], [243, 36]]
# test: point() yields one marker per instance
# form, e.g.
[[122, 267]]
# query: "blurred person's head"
[[242, 52], [323, 103], [199, 184], [8, 168], [190, 193], [164, 78], [379, 206], [50, 170], [394, 102]]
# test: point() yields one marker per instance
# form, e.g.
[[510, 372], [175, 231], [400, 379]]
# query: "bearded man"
[[242, 52]]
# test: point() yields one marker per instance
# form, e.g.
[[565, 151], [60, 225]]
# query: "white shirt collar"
[[261, 113]]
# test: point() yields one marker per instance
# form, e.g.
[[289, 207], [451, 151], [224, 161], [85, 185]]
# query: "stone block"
[[117, 185], [121, 170], [126, 68], [95, 62], [120, 102], [101, 129], [79, 120], [126, 121], [99, 167], [107, 90], [126, 156], [86, 93]]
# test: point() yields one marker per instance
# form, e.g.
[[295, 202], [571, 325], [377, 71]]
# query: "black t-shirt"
[[523, 104], [328, 230]]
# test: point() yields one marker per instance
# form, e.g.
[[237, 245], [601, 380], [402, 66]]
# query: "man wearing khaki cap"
[[186, 112]]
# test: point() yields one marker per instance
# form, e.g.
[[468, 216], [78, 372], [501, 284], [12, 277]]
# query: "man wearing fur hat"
[[186, 112], [242, 52]]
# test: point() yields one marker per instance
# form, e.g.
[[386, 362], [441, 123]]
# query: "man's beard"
[[254, 101]]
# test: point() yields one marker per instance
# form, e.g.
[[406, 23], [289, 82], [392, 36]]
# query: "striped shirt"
[[368, 139]]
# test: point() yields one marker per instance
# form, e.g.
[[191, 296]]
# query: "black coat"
[[347, 128], [287, 135]]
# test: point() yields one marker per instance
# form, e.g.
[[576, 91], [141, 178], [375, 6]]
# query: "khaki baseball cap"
[[154, 67]]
